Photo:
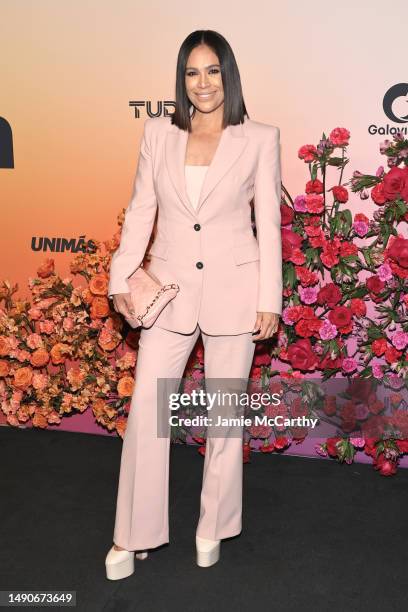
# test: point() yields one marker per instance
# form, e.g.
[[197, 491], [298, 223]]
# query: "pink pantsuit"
[[226, 276]]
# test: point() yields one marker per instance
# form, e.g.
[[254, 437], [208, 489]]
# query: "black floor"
[[316, 535]]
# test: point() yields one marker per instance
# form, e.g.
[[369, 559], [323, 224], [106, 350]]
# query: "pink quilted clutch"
[[149, 297]]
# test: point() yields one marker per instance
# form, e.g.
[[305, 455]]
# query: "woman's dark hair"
[[234, 105]]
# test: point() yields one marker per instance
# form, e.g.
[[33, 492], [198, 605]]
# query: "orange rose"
[[39, 420], [39, 358], [108, 339], [4, 368], [58, 353], [23, 377], [125, 386], [99, 307], [121, 423], [4, 346], [98, 284], [46, 269], [98, 407], [75, 376]]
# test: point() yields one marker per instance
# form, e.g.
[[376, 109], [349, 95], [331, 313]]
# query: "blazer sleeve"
[[267, 190], [138, 222]]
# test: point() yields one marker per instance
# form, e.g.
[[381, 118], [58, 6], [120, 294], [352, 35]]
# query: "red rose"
[[340, 316], [306, 276], [308, 153], [358, 307], [290, 242], [377, 194], [348, 248], [286, 214], [370, 447], [398, 251], [375, 284], [378, 346], [385, 466], [315, 186], [281, 442], [267, 448], [402, 445], [331, 446], [328, 362], [395, 184], [314, 203], [340, 194], [306, 328], [339, 137], [246, 452], [391, 354], [330, 294], [301, 355]]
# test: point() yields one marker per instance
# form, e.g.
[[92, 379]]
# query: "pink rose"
[[34, 341]]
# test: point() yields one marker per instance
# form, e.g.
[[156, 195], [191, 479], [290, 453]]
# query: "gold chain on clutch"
[[160, 291]]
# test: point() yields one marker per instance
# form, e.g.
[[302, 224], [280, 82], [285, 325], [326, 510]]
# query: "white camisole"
[[194, 180]]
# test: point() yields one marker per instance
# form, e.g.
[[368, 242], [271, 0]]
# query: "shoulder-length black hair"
[[234, 105]]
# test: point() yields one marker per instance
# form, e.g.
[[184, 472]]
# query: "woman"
[[200, 169]]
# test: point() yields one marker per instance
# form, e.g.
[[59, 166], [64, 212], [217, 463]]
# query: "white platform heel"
[[208, 551], [120, 563]]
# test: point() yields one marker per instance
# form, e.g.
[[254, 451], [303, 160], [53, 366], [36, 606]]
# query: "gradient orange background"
[[70, 69]]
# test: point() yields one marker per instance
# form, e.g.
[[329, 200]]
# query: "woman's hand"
[[122, 302], [267, 323]]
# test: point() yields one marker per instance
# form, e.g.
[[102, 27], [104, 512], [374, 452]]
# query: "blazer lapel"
[[230, 146]]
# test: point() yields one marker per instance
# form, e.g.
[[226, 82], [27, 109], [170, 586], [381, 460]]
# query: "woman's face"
[[203, 79]]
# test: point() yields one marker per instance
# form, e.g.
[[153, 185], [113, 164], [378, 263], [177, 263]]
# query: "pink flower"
[[360, 228], [377, 371], [46, 327], [358, 442], [34, 341], [308, 295], [22, 355], [328, 331], [380, 171], [400, 340], [361, 411], [197, 374], [384, 272], [349, 364], [40, 381], [35, 314], [299, 203], [68, 324]]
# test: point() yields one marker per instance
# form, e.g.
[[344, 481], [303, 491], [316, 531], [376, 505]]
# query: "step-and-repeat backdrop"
[[78, 80]]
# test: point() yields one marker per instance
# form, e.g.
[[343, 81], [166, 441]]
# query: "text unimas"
[[62, 245]]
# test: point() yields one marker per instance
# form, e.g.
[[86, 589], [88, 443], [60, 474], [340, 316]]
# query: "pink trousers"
[[142, 511]]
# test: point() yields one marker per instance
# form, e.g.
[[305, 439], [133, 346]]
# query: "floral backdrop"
[[345, 315]]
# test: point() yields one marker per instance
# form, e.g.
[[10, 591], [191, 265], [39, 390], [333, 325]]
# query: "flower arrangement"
[[346, 295], [345, 314]]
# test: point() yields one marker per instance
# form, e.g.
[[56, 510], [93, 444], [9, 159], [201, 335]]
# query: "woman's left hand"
[[267, 323]]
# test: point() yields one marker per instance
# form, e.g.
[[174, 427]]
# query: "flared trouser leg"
[[142, 511], [227, 363]]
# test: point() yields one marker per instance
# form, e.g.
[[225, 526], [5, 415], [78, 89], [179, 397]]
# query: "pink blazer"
[[225, 274]]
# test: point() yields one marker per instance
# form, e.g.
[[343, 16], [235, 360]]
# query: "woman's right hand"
[[122, 302]]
